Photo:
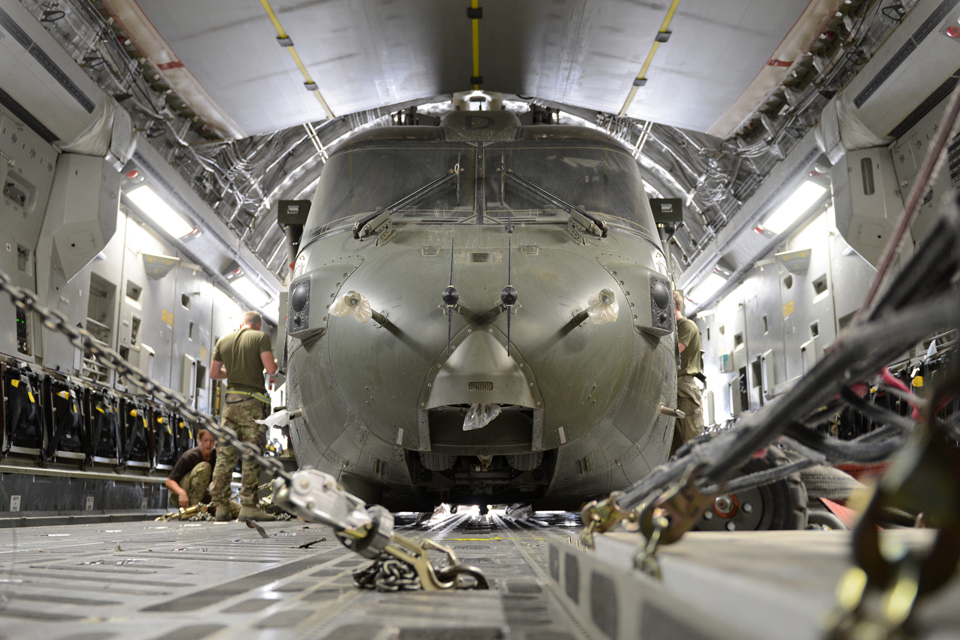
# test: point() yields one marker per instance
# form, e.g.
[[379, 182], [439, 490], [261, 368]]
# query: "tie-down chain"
[[314, 496]]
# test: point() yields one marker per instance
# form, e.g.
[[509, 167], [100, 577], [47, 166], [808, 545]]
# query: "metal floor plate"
[[193, 581], [205, 580]]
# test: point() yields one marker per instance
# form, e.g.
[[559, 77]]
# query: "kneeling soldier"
[[191, 475]]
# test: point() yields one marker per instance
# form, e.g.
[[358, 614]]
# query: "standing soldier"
[[688, 392], [241, 358]]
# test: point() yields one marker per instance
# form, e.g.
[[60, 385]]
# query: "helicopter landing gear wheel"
[[781, 505]]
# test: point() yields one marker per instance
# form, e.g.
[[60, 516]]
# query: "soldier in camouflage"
[[190, 476], [688, 391], [241, 358]]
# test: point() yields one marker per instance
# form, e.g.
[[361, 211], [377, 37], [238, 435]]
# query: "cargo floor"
[[204, 580], [199, 580]]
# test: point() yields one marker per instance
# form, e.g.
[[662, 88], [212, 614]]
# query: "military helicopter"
[[480, 313]]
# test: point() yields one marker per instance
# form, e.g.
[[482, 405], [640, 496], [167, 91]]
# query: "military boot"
[[223, 513], [252, 513]]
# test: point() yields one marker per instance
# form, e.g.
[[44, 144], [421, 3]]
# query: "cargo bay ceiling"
[[368, 54], [246, 98]]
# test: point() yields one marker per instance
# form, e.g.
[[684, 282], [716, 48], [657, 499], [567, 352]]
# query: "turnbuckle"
[[316, 497], [602, 516], [681, 505], [645, 559], [442, 579], [662, 521]]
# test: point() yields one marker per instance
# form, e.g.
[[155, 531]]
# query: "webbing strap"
[[257, 396]]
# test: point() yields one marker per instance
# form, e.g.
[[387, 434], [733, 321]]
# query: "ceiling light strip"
[[281, 35], [642, 76], [475, 13]]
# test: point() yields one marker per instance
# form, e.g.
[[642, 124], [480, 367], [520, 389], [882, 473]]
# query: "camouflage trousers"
[[195, 484], [688, 401], [240, 417]]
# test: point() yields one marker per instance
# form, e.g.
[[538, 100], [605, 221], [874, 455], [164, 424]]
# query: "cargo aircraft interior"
[[480, 319]]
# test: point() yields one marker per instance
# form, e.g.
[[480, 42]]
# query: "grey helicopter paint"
[[449, 274]]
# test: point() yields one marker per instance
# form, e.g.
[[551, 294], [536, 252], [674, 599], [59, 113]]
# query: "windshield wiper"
[[372, 223], [587, 221]]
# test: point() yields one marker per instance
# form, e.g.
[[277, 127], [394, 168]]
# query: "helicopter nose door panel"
[[479, 371], [311, 295], [648, 292]]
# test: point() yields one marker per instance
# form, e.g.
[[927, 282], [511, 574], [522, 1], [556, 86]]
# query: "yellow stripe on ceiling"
[[296, 57], [653, 50], [475, 23]]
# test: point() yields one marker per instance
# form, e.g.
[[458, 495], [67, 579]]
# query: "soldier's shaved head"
[[252, 318], [678, 301]]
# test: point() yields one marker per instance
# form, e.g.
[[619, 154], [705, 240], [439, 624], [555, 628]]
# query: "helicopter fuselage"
[[576, 363]]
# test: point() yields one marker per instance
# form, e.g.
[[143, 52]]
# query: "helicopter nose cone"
[[480, 371]]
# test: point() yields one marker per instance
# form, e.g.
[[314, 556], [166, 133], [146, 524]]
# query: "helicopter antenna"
[[509, 295], [450, 297]]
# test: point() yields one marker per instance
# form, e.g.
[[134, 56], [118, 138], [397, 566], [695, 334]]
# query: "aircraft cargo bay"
[[579, 319]]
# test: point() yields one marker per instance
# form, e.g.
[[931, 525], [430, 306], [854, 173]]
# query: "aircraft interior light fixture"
[[156, 208], [251, 292], [799, 202], [710, 285]]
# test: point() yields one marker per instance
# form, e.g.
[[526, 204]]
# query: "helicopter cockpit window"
[[362, 180], [366, 179], [597, 179]]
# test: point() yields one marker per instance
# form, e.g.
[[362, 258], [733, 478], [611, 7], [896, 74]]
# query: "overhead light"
[[250, 292], [710, 285], [161, 213], [799, 202]]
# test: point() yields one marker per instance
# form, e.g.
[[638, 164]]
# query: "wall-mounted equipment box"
[[82, 210], [867, 201]]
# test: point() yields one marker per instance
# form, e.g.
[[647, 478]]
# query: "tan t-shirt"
[[240, 354], [688, 334]]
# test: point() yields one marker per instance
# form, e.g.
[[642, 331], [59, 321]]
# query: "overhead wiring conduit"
[[642, 76], [287, 43], [474, 12]]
